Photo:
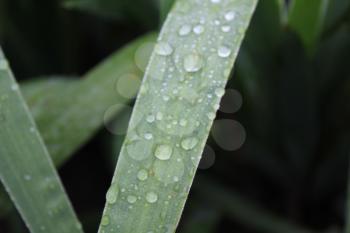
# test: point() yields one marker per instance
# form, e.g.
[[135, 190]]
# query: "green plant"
[[291, 70]]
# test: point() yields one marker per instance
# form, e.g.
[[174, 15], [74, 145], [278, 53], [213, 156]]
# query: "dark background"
[[295, 111]]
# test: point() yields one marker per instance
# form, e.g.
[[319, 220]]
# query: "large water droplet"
[[150, 118], [163, 49], [163, 152], [193, 62], [151, 197], [224, 51], [185, 30], [189, 143], [142, 175]]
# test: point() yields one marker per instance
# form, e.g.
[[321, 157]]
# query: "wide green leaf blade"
[[83, 104], [174, 111], [26, 169]]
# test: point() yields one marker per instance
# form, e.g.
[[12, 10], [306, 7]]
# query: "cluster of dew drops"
[[192, 63]]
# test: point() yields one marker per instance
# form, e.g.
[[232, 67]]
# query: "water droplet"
[[142, 175], [148, 136], [159, 116], [211, 115], [199, 29], [150, 119], [27, 177], [225, 28], [229, 16], [105, 221], [185, 30], [112, 194], [131, 199], [189, 143], [139, 149], [193, 62], [163, 49], [163, 152], [14, 87], [224, 51], [183, 122], [215, 1], [151, 197], [219, 92]]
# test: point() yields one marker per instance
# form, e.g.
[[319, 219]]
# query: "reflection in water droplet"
[[151, 197], [163, 152], [163, 49]]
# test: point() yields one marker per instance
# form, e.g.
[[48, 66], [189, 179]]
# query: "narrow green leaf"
[[307, 19], [174, 111], [26, 169]]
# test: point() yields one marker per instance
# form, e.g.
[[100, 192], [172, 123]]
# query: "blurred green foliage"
[[292, 71]]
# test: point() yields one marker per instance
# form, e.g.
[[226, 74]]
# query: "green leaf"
[[145, 13], [84, 103], [26, 169], [173, 114], [306, 18]]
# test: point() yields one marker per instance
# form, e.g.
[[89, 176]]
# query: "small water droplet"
[[193, 62], [225, 28], [112, 194], [142, 175], [105, 221], [148, 136], [219, 92], [151, 197], [229, 16], [224, 51], [27, 177], [163, 152], [199, 29], [14, 87], [150, 119], [131, 199], [215, 1], [163, 49], [189, 143], [211, 115], [185, 30], [183, 122], [159, 116]]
